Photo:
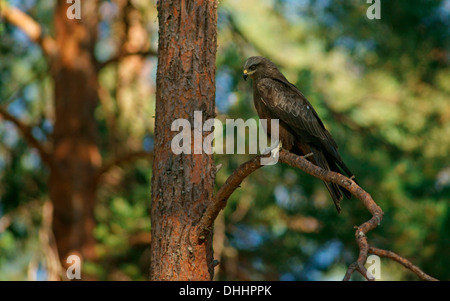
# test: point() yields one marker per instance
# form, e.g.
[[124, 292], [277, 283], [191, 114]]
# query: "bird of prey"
[[300, 129]]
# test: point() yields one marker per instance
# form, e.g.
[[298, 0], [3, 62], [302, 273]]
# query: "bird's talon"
[[308, 155], [273, 150], [267, 150], [379, 220]]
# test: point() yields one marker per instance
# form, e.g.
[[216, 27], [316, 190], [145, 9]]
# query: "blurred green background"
[[382, 88]]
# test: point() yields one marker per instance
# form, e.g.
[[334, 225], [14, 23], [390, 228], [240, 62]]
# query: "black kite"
[[301, 130]]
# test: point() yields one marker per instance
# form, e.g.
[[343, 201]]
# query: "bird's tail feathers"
[[333, 167], [333, 189], [335, 193], [346, 170]]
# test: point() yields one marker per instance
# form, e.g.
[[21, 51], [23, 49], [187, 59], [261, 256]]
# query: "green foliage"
[[379, 86], [382, 87]]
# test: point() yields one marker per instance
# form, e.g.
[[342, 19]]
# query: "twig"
[[404, 262]]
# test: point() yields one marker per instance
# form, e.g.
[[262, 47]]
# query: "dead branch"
[[220, 201], [355, 190], [244, 170], [404, 262]]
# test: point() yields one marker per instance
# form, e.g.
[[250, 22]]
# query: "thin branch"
[[122, 55], [126, 158], [220, 201], [244, 170], [26, 132], [404, 262], [18, 91], [30, 27], [334, 177], [355, 190], [236, 30], [126, 8]]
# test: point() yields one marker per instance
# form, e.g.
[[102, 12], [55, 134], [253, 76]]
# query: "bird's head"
[[258, 67]]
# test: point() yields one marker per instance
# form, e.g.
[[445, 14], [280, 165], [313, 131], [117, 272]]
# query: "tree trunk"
[[76, 156], [182, 185]]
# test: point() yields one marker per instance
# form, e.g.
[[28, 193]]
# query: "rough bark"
[[182, 185]]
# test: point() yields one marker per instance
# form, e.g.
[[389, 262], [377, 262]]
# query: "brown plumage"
[[301, 130]]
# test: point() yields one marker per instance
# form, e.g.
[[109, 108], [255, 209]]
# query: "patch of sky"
[[248, 238], [225, 97]]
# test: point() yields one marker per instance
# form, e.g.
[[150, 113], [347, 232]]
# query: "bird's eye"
[[252, 67]]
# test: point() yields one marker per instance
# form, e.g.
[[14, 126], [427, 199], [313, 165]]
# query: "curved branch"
[[404, 262], [220, 200], [355, 190], [244, 170], [26, 132], [337, 178]]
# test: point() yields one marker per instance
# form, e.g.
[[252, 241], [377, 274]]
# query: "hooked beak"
[[245, 75]]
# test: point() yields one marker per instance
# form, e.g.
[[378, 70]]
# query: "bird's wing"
[[289, 105]]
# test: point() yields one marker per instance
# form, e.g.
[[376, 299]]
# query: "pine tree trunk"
[[76, 156], [182, 185]]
